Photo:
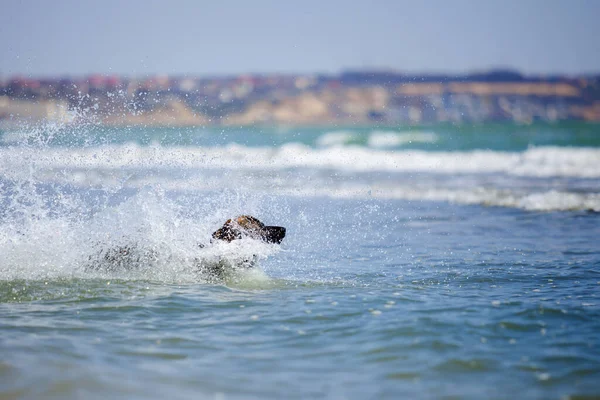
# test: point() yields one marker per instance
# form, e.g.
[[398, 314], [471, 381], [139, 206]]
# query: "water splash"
[[54, 225]]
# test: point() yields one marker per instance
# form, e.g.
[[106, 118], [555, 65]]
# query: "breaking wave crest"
[[552, 200], [382, 139], [375, 139], [534, 162], [540, 178]]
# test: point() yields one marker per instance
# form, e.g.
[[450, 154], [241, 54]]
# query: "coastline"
[[362, 98]]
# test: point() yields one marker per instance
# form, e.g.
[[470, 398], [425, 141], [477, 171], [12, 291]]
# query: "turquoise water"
[[498, 136], [434, 262]]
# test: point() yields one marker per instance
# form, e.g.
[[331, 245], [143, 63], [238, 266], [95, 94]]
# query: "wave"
[[540, 178], [336, 138], [551, 200], [385, 139], [378, 139], [534, 162]]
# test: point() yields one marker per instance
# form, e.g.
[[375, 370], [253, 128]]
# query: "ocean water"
[[426, 262]]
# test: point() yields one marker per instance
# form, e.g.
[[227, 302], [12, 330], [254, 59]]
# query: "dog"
[[248, 226], [131, 256]]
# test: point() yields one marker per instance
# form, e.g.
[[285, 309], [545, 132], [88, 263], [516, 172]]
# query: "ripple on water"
[[461, 365]]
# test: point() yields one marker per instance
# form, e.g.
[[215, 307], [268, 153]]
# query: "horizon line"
[[362, 70]]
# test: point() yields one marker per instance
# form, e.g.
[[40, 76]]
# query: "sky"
[[196, 37]]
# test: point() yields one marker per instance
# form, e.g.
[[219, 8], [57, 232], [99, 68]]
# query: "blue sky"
[[136, 37]]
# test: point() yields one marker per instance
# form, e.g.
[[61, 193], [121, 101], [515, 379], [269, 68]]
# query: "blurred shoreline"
[[349, 98]]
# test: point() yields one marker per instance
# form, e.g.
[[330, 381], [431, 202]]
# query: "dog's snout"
[[274, 234]]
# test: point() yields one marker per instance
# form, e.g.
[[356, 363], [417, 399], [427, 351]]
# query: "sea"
[[425, 262]]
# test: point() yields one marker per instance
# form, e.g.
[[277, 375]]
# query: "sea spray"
[[60, 223]]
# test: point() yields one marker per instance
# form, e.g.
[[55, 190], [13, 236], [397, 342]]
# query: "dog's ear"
[[227, 232]]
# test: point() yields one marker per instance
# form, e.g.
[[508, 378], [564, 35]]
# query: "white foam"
[[538, 201], [551, 200], [386, 139], [534, 162], [335, 138], [472, 177]]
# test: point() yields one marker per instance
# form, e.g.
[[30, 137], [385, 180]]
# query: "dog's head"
[[248, 226]]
